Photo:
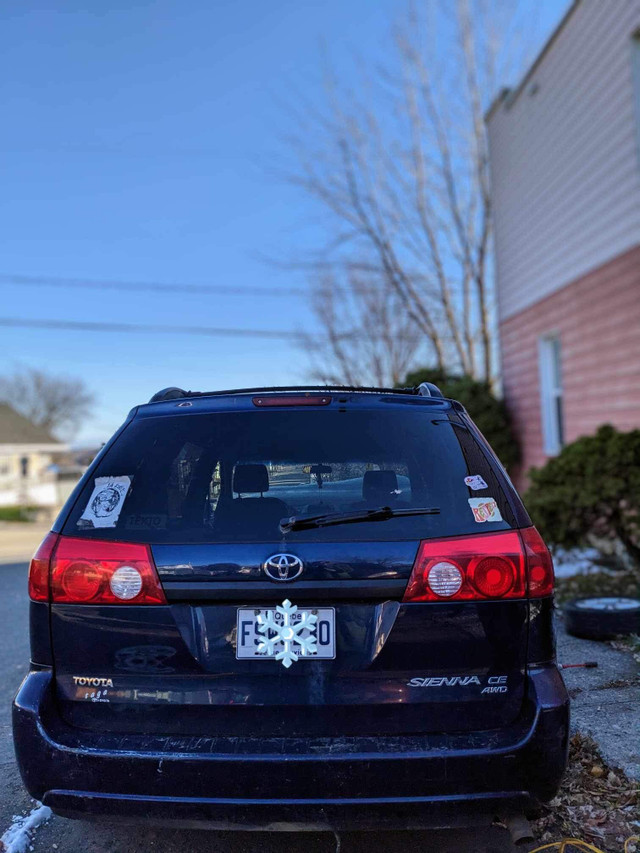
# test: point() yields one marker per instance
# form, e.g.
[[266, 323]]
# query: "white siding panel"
[[564, 158]]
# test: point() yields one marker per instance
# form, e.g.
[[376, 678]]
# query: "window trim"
[[551, 393], [635, 83]]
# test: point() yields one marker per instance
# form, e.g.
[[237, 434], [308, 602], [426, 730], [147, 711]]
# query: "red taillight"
[[493, 577], [88, 571], [539, 564], [39, 569], [493, 565], [292, 400]]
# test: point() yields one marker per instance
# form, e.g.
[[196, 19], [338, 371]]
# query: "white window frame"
[[635, 76], [551, 396]]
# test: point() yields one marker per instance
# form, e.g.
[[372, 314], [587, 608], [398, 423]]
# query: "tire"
[[599, 618]]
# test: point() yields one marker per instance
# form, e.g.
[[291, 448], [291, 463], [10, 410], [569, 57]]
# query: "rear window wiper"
[[382, 513]]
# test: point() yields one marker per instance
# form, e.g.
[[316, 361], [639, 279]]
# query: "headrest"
[[377, 485], [250, 478]]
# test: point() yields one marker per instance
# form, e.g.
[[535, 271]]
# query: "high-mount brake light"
[[39, 569], [89, 571], [267, 400], [506, 564]]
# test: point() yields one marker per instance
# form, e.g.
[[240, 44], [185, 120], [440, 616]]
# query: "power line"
[[207, 331], [156, 287], [162, 329]]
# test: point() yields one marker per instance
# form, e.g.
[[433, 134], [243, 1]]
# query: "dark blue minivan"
[[293, 608]]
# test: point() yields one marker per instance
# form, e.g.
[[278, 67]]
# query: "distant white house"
[[28, 473]]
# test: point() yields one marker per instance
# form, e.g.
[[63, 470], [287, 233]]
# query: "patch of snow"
[[575, 561], [18, 837]]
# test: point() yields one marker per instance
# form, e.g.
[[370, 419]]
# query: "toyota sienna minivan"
[[293, 608]]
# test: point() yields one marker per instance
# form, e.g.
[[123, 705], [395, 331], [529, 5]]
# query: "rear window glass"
[[231, 477]]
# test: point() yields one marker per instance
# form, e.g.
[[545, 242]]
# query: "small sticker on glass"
[[105, 503], [484, 509], [146, 521], [475, 482]]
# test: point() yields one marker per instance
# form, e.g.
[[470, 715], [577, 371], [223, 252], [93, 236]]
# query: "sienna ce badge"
[[283, 567]]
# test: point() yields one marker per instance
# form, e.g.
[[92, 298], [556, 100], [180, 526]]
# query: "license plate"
[[286, 633]]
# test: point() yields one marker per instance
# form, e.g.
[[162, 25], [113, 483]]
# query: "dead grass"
[[596, 802], [624, 582]]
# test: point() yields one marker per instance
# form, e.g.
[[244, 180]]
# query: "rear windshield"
[[231, 477]]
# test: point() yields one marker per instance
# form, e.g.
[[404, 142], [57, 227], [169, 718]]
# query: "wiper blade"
[[382, 513]]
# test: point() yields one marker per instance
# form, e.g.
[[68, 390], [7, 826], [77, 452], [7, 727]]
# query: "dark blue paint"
[[186, 732], [323, 561], [437, 780]]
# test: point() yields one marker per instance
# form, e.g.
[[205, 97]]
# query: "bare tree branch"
[[361, 335], [400, 166], [57, 403]]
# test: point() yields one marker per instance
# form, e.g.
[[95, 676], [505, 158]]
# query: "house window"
[[24, 466], [551, 394]]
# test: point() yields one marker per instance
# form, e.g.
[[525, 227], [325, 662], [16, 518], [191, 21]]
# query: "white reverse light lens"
[[126, 582], [445, 579]]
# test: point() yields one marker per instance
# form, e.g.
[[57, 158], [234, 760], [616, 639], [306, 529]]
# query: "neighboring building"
[[28, 476], [565, 165]]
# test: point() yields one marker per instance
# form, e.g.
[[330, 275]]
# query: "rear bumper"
[[340, 783]]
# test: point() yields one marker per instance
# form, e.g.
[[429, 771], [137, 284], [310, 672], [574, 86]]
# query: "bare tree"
[[57, 403], [363, 337], [400, 166]]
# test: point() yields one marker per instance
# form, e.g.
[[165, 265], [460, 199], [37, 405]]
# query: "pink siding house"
[[565, 165]]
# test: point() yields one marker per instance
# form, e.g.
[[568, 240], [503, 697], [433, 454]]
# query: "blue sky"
[[136, 138]]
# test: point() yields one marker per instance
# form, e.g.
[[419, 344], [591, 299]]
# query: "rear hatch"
[[205, 488]]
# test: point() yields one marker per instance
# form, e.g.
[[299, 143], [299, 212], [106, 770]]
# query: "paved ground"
[[594, 702], [19, 541], [604, 701]]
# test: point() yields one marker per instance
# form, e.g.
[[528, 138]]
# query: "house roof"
[[16, 429], [511, 94]]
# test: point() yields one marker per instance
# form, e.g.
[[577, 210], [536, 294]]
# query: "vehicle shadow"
[[99, 837]]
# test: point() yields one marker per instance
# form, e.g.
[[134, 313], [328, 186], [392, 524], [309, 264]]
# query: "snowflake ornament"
[[287, 633]]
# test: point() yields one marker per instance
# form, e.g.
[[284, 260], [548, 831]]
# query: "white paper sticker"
[[475, 482], [106, 501], [484, 509]]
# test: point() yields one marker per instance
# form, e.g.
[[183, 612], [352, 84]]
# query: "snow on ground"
[[575, 561], [18, 837]]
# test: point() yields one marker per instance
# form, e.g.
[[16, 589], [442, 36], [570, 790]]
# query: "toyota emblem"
[[283, 567]]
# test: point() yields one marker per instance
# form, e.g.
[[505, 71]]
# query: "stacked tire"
[[601, 618]]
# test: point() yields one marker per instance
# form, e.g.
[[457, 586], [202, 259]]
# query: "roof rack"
[[428, 389], [425, 389]]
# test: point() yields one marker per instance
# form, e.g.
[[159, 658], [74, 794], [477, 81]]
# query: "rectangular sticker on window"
[[475, 482], [484, 509], [105, 503]]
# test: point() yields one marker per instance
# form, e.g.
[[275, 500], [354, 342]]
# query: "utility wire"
[[207, 331], [156, 287], [165, 329]]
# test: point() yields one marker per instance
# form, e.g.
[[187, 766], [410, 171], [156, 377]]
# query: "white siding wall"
[[564, 160]]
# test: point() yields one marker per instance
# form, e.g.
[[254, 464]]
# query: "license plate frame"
[[247, 639]]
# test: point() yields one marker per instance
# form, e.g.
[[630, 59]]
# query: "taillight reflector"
[[39, 569], [89, 571], [539, 563], [507, 564]]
